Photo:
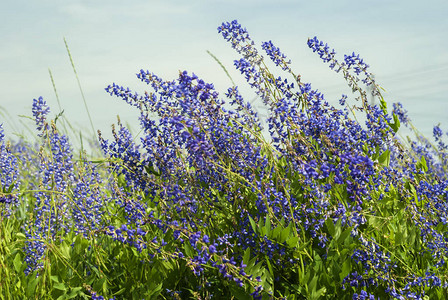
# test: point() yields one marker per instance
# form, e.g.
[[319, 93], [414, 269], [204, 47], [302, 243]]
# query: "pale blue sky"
[[404, 42]]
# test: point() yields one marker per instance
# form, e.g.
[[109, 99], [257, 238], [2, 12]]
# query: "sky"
[[404, 42]]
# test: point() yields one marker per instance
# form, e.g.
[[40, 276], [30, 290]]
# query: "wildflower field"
[[203, 204]]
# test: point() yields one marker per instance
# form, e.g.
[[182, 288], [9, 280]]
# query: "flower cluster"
[[40, 112], [128, 235], [320, 146], [201, 204], [276, 55], [239, 37], [352, 62], [63, 200], [401, 113], [9, 173], [322, 49]]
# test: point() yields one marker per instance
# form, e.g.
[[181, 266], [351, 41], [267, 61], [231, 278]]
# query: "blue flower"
[[40, 112]]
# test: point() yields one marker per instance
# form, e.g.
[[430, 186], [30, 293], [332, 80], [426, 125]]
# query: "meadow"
[[201, 204]]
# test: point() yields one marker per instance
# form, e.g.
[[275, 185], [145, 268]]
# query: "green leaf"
[[252, 224], [312, 284], [121, 291], [384, 158], [267, 225], [155, 290], [65, 250], [261, 226], [277, 232], [251, 264], [422, 165], [246, 256], [399, 238], [319, 293], [383, 105], [20, 236], [414, 193], [396, 125], [257, 269], [411, 236], [292, 241], [282, 222], [75, 292], [330, 226], [32, 284], [271, 271], [344, 235], [188, 250], [167, 264], [346, 269], [239, 292], [317, 262], [122, 181], [9, 190], [151, 170], [60, 286], [285, 233], [377, 152], [18, 263], [337, 229]]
